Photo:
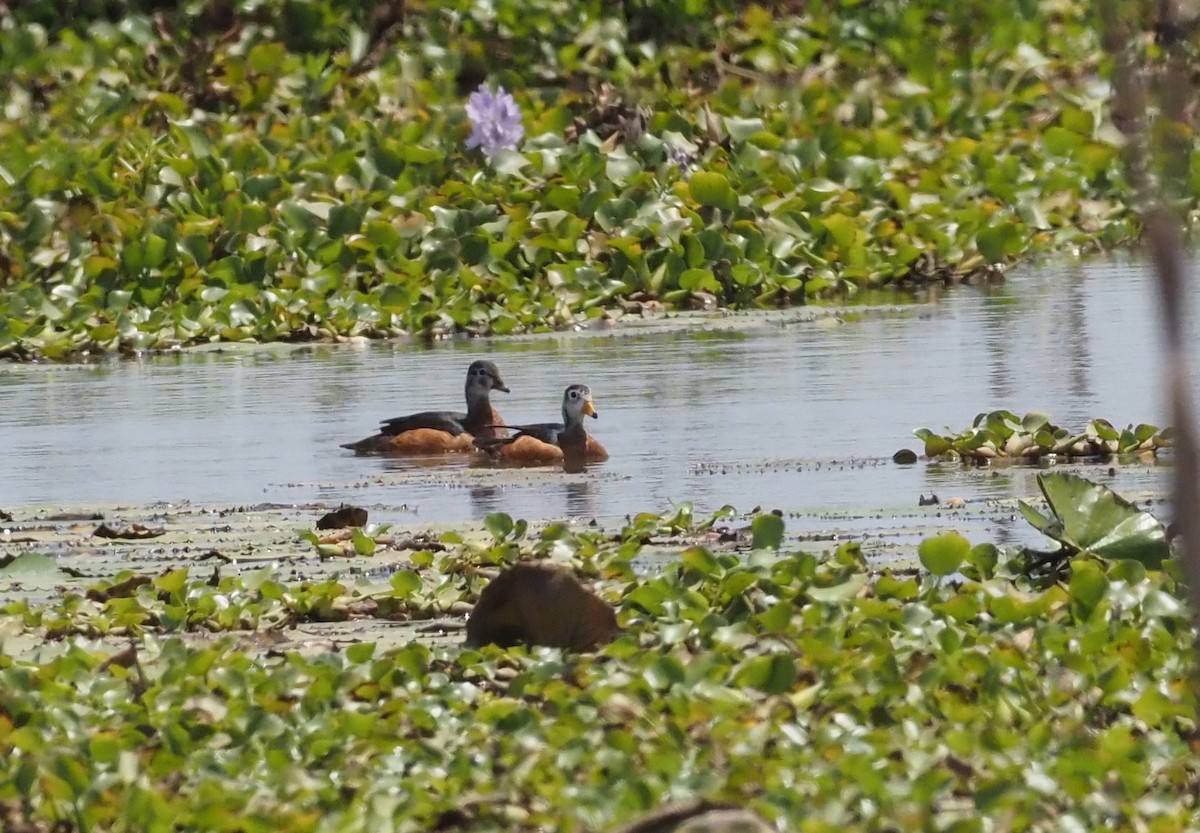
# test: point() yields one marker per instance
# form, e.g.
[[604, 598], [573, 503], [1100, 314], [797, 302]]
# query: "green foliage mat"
[[824, 694], [181, 173]]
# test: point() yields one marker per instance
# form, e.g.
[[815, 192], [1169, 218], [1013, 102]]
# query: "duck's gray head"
[[577, 403], [482, 378]]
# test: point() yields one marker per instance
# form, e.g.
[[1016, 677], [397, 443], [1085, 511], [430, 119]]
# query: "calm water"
[[803, 417]]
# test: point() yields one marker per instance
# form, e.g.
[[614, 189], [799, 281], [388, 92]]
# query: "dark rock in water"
[[541, 604], [932, 500], [343, 517], [905, 457]]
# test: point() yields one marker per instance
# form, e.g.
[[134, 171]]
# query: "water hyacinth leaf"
[[1043, 524], [771, 674], [1088, 586], [695, 280], [1061, 141], [742, 129], [1035, 421], [405, 583], [700, 560], [499, 524], [999, 242], [838, 593], [944, 553], [360, 652], [667, 671], [767, 531], [712, 188], [1091, 518], [843, 229], [935, 444], [984, 557], [363, 544], [345, 219]]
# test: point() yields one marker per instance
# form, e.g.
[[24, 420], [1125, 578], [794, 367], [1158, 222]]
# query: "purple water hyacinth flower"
[[495, 121]]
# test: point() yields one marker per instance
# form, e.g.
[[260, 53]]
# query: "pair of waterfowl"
[[482, 430]]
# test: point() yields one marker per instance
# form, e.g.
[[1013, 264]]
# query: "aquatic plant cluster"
[[822, 693], [1002, 436], [206, 171]]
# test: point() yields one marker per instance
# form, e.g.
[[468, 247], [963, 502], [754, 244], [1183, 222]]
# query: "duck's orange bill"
[[589, 408]]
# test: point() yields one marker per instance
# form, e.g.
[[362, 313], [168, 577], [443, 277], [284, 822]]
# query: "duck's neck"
[[481, 416], [573, 442], [479, 403]]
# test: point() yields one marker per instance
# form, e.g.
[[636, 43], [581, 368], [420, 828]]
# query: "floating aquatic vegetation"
[[1002, 435], [829, 148], [897, 695], [1089, 519]]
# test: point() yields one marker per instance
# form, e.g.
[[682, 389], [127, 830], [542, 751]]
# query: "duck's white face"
[[577, 403]]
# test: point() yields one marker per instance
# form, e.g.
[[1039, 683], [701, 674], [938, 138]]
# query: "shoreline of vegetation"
[[189, 173], [820, 691]]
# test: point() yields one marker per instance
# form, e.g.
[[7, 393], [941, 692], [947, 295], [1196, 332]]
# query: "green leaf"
[[405, 583], [999, 242], [364, 544], [943, 554], [838, 593], [1091, 518], [700, 560], [173, 581], [935, 444], [665, 672], [984, 557], [345, 219], [1087, 588], [360, 652], [766, 531], [843, 229], [712, 188], [773, 673], [499, 524]]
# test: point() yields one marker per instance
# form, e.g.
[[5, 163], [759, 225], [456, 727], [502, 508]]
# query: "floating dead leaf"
[[120, 590], [342, 517], [133, 532], [541, 604], [423, 542]]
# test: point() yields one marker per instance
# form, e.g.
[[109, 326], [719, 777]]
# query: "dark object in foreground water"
[[343, 517], [534, 603]]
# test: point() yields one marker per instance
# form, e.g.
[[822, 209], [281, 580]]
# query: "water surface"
[[802, 416]]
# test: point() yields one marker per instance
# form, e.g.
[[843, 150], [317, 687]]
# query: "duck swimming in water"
[[440, 432], [565, 443]]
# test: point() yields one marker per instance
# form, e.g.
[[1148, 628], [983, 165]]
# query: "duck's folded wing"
[[547, 432], [449, 421]]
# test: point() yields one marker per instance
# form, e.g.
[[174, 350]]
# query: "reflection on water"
[[800, 417]]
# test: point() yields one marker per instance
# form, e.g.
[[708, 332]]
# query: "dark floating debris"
[[133, 532], [541, 604], [75, 516], [343, 517], [905, 457], [932, 500]]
